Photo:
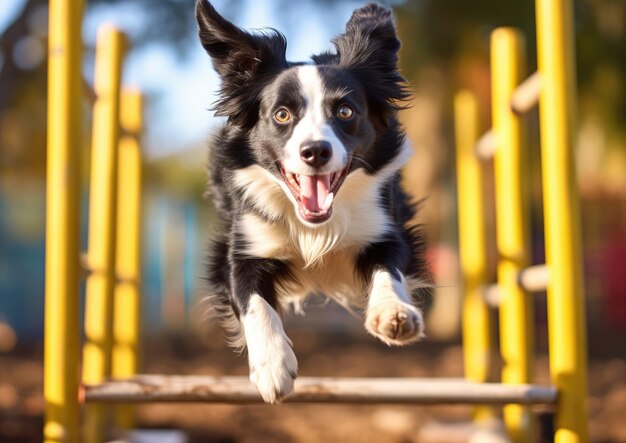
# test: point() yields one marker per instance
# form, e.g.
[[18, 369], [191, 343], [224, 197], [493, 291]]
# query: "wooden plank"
[[526, 95], [535, 278], [153, 436], [205, 389], [486, 145]]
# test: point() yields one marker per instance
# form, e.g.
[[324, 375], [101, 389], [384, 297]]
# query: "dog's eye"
[[345, 112], [282, 116]]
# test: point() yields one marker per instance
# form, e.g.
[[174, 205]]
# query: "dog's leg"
[[272, 362], [273, 365], [390, 315]]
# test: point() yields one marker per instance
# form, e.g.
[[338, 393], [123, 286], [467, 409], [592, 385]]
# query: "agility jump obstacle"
[[112, 306], [553, 88]]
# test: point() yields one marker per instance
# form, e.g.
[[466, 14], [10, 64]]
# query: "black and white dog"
[[305, 176]]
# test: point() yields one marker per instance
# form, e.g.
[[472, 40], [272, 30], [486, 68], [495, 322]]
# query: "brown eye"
[[282, 116], [345, 112]]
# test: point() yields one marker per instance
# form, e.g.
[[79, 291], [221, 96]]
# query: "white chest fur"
[[321, 258]]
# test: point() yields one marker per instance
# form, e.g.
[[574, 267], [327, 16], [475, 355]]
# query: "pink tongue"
[[313, 191]]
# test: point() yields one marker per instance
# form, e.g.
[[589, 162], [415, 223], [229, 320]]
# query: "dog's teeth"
[[315, 213], [328, 202]]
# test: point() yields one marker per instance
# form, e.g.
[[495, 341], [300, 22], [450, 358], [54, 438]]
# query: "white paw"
[[273, 365], [274, 371], [395, 322]]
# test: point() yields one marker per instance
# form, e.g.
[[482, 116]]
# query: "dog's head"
[[310, 125]]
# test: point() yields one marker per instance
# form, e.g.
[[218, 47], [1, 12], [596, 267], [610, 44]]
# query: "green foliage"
[[439, 30]]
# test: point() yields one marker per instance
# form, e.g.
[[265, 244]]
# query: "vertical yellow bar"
[[61, 355], [102, 208], [566, 309], [477, 321], [127, 300], [512, 223]]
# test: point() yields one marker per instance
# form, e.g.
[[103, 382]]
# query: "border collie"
[[305, 178]]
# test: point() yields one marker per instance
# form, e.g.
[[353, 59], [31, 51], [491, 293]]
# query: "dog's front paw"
[[274, 373], [395, 323]]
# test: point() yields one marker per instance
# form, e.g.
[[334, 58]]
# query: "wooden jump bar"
[[486, 145], [535, 278], [526, 95], [238, 390]]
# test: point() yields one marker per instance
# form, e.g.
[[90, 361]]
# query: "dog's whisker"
[[362, 160]]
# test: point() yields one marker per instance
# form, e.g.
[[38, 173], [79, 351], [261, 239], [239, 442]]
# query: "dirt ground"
[[21, 402]]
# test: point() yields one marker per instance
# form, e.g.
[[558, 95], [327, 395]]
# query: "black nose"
[[316, 153]]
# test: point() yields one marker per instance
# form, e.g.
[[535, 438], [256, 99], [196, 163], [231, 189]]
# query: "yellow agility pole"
[[102, 209], [512, 225], [566, 309], [477, 320], [127, 300], [61, 354]]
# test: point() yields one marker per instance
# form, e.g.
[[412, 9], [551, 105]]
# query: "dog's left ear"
[[242, 59], [369, 49]]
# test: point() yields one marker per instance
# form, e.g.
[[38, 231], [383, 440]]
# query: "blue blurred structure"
[[190, 253], [22, 263], [22, 251]]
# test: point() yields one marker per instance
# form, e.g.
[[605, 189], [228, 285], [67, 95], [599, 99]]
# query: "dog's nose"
[[316, 153]]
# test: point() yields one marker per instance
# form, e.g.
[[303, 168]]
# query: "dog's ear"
[[369, 49], [241, 59]]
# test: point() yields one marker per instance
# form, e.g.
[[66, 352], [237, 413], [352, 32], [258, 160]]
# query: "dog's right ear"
[[243, 61], [235, 51]]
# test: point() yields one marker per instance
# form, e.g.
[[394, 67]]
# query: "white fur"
[[273, 365], [313, 126], [355, 208], [268, 194], [390, 314], [321, 256], [357, 218]]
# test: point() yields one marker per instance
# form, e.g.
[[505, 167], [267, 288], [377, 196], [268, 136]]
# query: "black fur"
[[244, 61]]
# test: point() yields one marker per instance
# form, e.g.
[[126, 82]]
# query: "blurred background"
[[445, 48]]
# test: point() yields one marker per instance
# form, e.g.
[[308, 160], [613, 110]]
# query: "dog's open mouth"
[[314, 193]]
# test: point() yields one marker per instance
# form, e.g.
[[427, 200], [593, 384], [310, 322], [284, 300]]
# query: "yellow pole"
[[512, 223], [61, 354], [566, 309], [127, 300], [102, 208], [477, 321]]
